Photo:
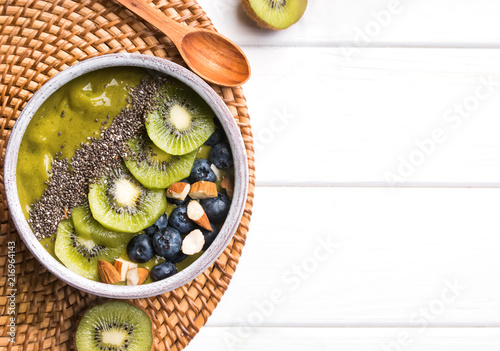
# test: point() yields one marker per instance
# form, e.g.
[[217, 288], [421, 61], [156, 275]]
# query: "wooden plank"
[[397, 117], [347, 23], [347, 339], [373, 257]]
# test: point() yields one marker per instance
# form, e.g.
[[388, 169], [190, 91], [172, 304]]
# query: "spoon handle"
[[174, 30]]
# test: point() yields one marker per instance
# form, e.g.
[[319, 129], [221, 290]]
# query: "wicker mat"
[[38, 39]]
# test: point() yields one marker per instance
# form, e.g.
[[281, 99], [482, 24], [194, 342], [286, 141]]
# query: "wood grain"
[[322, 121], [370, 92], [392, 255], [348, 339], [372, 23]]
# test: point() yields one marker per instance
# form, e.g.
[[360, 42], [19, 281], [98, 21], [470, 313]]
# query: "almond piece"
[[178, 191], [123, 267], [203, 190], [216, 171], [107, 272], [193, 242], [227, 184], [197, 214], [137, 276]]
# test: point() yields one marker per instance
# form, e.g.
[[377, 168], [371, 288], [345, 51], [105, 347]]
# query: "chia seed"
[[69, 179]]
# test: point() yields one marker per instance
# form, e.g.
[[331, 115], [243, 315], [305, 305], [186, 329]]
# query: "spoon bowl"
[[209, 54]]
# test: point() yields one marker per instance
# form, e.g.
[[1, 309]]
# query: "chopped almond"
[[193, 242], [216, 171], [197, 214], [137, 276], [123, 267], [107, 272], [178, 191], [227, 184], [203, 190]]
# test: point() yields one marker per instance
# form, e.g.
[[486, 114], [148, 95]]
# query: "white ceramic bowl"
[[240, 166]]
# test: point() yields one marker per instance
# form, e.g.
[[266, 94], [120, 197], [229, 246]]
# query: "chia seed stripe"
[[69, 179]]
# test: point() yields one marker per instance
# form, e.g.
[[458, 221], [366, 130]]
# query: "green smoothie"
[[68, 117], [78, 114]]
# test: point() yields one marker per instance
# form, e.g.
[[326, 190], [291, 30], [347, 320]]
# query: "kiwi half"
[[180, 120], [80, 255], [120, 203], [114, 326], [275, 14], [153, 167], [87, 227]]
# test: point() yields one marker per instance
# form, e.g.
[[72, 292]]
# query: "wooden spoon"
[[212, 56]]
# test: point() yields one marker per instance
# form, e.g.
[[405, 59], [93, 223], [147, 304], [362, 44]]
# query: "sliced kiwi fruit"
[[179, 120], [80, 255], [153, 167], [116, 326], [275, 14], [120, 203], [87, 227]]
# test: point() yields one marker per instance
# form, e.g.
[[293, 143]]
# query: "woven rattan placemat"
[[38, 39]]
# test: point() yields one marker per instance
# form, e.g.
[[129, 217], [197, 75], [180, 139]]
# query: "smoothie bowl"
[[126, 176]]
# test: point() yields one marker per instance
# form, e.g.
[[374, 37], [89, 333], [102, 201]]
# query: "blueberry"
[[162, 271], [215, 138], [201, 171], [178, 258], [178, 202], [217, 123], [160, 223], [220, 156], [140, 248], [216, 208], [209, 236], [167, 243], [180, 221]]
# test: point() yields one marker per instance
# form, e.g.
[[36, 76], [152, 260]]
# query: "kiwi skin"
[[260, 22]]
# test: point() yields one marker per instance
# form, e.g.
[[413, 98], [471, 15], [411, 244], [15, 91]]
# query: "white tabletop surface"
[[376, 221]]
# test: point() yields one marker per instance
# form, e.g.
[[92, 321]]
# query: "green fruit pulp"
[[112, 325], [81, 255], [153, 167], [133, 217], [180, 121], [49, 244], [87, 227], [203, 152], [279, 14]]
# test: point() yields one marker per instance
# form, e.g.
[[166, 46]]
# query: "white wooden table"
[[376, 221]]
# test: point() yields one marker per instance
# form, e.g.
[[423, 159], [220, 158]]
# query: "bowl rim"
[[235, 139]]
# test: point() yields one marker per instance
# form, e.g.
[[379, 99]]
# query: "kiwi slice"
[[87, 227], [80, 255], [119, 202], [116, 326], [275, 14], [180, 120], [153, 167]]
